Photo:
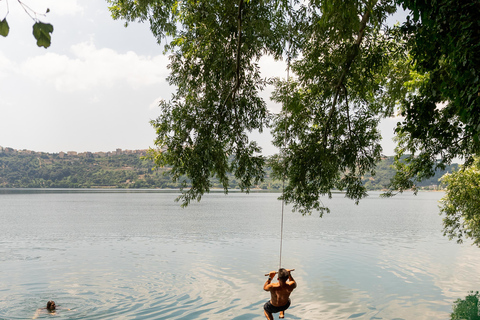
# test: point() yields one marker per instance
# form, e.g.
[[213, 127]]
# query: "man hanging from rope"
[[279, 292]]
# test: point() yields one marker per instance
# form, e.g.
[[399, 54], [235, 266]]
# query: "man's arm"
[[268, 284], [291, 282], [37, 313]]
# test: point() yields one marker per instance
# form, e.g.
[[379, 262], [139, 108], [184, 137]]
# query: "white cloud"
[[95, 68], [155, 103], [64, 7], [6, 66]]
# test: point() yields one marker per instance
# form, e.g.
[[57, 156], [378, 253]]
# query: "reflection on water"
[[116, 255]]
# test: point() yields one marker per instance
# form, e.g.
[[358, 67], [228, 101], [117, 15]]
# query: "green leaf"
[[41, 32], [4, 28]]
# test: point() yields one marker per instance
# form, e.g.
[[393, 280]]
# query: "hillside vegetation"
[[44, 170]]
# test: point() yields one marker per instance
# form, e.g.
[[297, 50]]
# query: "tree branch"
[[239, 45], [348, 111], [350, 58]]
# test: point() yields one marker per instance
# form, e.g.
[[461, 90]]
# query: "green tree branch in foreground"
[[442, 112], [41, 31], [466, 309], [461, 204]]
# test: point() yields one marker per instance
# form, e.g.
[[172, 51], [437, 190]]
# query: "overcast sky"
[[95, 88]]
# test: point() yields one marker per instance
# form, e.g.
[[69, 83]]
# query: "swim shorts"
[[269, 307]]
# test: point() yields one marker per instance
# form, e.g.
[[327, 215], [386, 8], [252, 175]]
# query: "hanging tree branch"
[[238, 55], [355, 50]]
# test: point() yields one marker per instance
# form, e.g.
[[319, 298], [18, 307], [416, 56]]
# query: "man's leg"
[[282, 314], [268, 315]]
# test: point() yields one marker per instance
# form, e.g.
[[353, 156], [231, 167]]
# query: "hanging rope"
[[281, 226], [284, 151], [284, 171]]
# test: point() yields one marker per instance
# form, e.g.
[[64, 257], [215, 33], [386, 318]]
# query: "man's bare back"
[[279, 292]]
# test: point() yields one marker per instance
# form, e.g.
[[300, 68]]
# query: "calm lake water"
[[138, 255]]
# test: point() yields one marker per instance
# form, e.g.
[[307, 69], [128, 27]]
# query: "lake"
[[129, 254]]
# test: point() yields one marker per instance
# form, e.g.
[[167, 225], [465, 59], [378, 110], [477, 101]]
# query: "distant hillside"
[[28, 169], [384, 173], [120, 169]]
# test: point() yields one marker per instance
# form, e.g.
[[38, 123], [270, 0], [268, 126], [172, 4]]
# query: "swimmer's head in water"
[[51, 305]]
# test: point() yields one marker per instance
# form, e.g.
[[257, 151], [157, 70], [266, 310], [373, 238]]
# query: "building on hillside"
[[141, 152], [61, 154], [71, 153]]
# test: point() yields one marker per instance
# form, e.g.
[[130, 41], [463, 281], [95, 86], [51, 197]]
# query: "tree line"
[[134, 171], [18, 170]]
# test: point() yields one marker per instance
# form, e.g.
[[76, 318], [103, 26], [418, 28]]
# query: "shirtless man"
[[280, 293]]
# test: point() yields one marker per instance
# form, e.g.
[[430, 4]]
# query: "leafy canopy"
[[342, 86], [442, 112], [349, 69]]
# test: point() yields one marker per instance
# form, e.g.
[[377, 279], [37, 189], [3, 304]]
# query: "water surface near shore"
[[138, 255]]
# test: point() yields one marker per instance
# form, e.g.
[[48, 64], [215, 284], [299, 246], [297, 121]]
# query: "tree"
[[332, 107], [348, 77], [442, 113], [461, 204], [215, 49], [466, 309], [349, 69], [41, 31]]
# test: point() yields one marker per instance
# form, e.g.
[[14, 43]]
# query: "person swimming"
[[50, 308]]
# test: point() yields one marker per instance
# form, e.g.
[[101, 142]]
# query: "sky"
[[97, 87]]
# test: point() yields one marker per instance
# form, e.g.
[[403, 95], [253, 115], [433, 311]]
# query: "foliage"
[[344, 83], [442, 114], [41, 31], [215, 49], [461, 204], [4, 28], [466, 309], [343, 86], [349, 70]]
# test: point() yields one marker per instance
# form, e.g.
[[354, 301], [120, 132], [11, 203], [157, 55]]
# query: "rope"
[[285, 164]]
